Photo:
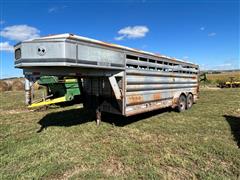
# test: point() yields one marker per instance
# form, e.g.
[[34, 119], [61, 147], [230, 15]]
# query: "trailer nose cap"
[[41, 50]]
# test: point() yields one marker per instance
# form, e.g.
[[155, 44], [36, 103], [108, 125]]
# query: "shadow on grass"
[[119, 120], [66, 118], [75, 117], [234, 123]]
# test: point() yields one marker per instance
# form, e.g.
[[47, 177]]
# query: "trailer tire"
[[182, 103], [189, 101]]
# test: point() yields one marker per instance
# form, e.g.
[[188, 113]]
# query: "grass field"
[[64, 143], [222, 77]]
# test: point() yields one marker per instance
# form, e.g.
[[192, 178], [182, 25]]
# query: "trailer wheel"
[[182, 103], [189, 101]]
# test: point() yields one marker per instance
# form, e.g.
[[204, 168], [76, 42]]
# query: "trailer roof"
[[81, 38]]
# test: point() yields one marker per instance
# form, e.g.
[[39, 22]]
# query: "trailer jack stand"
[[98, 117]]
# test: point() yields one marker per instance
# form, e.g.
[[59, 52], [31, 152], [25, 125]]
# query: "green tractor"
[[58, 90]]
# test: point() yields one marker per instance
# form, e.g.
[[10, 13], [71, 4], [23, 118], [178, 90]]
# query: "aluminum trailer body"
[[115, 79]]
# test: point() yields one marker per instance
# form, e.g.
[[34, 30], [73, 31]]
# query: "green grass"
[[63, 143]]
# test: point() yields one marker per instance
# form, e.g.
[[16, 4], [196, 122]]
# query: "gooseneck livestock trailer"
[[112, 78]]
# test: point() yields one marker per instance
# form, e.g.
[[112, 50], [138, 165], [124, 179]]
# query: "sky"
[[202, 32]]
